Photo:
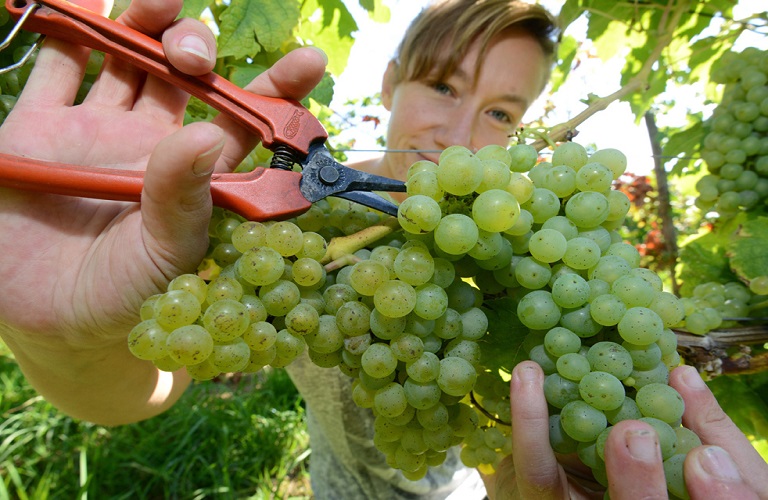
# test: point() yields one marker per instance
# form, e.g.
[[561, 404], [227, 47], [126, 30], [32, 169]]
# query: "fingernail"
[[642, 445], [528, 374], [716, 462], [321, 52], [193, 44], [205, 163], [692, 379]]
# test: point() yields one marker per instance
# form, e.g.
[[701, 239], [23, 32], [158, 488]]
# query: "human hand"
[[726, 466], [75, 271]]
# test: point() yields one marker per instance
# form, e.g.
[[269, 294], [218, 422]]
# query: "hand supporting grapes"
[[75, 271], [726, 466]]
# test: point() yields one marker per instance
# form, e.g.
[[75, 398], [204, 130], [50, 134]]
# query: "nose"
[[457, 128]]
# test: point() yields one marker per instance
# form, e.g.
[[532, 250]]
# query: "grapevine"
[[494, 257]]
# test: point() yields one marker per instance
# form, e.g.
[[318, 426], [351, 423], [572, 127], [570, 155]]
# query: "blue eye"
[[501, 116], [441, 88]]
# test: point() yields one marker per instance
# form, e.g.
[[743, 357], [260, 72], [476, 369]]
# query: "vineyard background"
[[248, 431]]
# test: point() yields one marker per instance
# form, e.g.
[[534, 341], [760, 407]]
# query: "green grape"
[[611, 158], [587, 209], [601, 390], [667, 436], [353, 319], [674, 475], [424, 368], [288, 347], [570, 153], [607, 310], [386, 327], [660, 401], [633, 290], [431, 301], [378, 360], [610, 357], [449, 325], [474, 324], [559, 341], [191, 283], [189, 345], [759, 285], [419, 214], [424, 183], [175, 309], [422, 395], [367, 276], [260, 266], [644, 357], [456, 234], [327, 338], [260, 336], [307, 272], [594, 176], [559, 391], [414, 265], [609, 268], [582, 422], [570, 291], [668, 307], [522, 157], [496, 175], [313, 247], [203, 371], [537, 310], [543, 205], [390, 400], [572, 366], [532, 274], [656, 375], [581, 253], [521, 187], [626, 411], [280, 297], [547, 245], [395, 298], [641, 326], [561, 180], [460, 174], [686, 440], [337, 295], [230, 356], [147, 340], [495, 210], [457, 376], [226, 320], [285, 237], [302, 319]]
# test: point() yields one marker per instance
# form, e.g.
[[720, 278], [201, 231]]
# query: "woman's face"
[[432, 115]]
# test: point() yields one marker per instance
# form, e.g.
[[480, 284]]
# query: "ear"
[[388, 83]]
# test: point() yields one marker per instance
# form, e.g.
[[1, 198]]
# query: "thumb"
[[176, 200]]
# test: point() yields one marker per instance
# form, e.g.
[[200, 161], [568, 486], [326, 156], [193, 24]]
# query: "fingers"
[[176, 200], [633, 462], [704, 416], [62, 63], [293, 77], [536, 468], [119, 82], [191, 47], [710, 472]]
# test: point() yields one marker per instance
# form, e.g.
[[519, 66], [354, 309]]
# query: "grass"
[[241, 437]]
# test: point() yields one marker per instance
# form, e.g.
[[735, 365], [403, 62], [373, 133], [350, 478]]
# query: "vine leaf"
[[747, 249], [502, 348], [247, 26], [705, 257]]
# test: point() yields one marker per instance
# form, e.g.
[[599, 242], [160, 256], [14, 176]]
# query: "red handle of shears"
[[279, 196], [276, 121]]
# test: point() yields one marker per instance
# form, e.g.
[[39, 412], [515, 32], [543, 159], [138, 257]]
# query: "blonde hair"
[[443, 32]]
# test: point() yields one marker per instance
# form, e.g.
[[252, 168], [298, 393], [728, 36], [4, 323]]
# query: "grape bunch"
[[735, 148], [406, 315], [713, 305]]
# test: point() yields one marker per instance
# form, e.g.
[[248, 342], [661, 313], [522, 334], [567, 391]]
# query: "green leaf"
[[684, 144], [242, 74], [747, 249], [323, 92], [704, 257], [566, 52], [571, 11], [331, 28], [745, 406], [246, 26], [194, 8], [502, 348], [377, 11]]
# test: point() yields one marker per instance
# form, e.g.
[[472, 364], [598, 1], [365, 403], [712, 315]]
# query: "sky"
[[613, 128]]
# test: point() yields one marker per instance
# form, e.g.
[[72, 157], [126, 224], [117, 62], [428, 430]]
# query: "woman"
[[74, 272]]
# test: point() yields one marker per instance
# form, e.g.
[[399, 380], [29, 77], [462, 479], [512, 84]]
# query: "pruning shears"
[[285, 126]]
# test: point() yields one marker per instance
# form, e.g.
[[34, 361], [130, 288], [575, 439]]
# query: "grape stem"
[[709, 353], [486, 412], [345, 245], [663, 37]]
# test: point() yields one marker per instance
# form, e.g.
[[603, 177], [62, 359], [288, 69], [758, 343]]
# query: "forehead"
[[512, 62]]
